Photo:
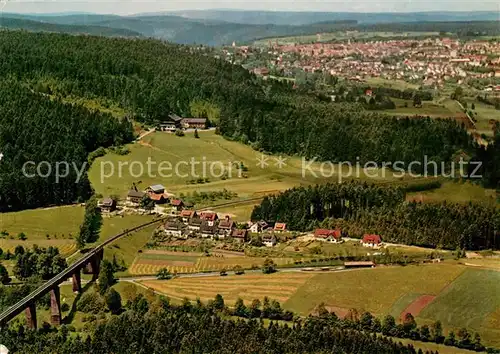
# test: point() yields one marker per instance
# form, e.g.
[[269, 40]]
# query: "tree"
[[238, 270], [147, 203], [240, 309], [409, 323], [417, 101], [366, 320], [4, 275], [321, 310], [425, 334], [106, 277], [19, 251], [218, 303], [473, 106], [255, 309], [22, 236], [113, 301], [164, 274], [269, 266], [196, 135], [388, 325], [92, 222], [450, 340], [437, 332]]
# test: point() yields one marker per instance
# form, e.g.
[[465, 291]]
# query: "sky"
[[128, 7]]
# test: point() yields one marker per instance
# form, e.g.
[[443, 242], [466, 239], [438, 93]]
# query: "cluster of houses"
[[206, 224], [173, 122]]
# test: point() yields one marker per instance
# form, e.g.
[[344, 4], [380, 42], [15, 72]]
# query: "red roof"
[[177, 202], [280, 226], [188, 213], [324, 233], [372, 239], [208, 216]]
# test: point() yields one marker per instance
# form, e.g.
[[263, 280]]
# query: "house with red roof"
[[332, 236], [209, 217], [187, 215], [373, 241], [279, 227]]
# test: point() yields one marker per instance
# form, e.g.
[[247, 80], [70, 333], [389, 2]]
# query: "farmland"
[[447, 292], [279, 286], [150, 262]]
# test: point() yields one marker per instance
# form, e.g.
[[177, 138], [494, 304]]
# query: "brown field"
[[279, 286], [418, 305]]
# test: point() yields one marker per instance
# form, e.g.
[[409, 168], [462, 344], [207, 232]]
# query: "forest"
[[158, 327], [34, 128], [359, 209]]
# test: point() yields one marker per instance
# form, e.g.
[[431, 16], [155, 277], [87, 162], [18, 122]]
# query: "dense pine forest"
[[159, 328], [37, 129], [361, 208], [151, 79]]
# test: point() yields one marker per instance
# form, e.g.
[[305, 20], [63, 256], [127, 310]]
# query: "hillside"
[[149, 79], [37, 26], [217, 28]]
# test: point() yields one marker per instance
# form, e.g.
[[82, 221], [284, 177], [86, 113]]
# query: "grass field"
[[454, 294], [428, 108], [456, 192], [383, 286], [468, 302]]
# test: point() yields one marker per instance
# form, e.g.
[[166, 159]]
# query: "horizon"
[[130, 8]]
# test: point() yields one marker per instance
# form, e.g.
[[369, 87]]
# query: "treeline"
[[38, 262], [408, 328], [302, 207], [37, 133], [360, 208], [460, 28], [159, 327]]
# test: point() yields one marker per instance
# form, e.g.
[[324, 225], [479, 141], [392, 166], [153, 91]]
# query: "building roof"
[[195, 221], [209, 216], [108, 202], [135, 194], [174, 117], [279, 226], [324, 233], [239, 233], [194, 120], [177, 202], [173, 225], [157, 188], [156, 197], [376, 239], [207, 229], [226, 224], [188, 213]]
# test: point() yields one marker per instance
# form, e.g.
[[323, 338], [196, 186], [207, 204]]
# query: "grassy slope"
[[167, 147], [382, 286], [468, 302]]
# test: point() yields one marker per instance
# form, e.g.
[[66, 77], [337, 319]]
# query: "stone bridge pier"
[[92, 267]]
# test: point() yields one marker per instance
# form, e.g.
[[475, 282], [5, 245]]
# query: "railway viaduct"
[[89, 264]]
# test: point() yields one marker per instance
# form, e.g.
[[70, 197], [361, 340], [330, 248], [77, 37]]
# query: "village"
[[430, 62], [184, 222]]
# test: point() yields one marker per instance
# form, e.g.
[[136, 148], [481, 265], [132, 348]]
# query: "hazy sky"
[[139, 6]]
